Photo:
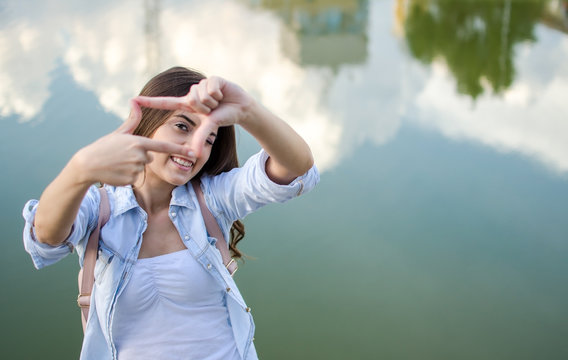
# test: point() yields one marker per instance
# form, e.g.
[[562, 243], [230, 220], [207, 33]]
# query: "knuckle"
[[136, 147], [192, 101]]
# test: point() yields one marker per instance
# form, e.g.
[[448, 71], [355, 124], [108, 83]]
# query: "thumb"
[[133, 120]]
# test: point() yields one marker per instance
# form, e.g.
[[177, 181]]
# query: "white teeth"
[[182, 162]]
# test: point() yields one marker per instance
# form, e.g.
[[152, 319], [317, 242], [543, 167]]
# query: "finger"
[[163, 146], [214, 88], [203, 133], [133, 120], [162, 102], [194, 101], [205, 97]]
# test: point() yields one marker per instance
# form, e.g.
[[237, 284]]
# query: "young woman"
[[161, 289]]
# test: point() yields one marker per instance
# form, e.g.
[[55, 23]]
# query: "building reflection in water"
[[152, 35], [321, 32]]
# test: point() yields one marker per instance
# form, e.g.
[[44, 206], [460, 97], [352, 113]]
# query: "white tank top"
[[172, 309]]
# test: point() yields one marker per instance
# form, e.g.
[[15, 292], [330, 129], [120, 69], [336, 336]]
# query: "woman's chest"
[[134, 234], [160, 236], [174, 279]]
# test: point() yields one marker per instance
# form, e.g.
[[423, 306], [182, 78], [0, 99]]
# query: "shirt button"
[[247, 309], [186, 237], [173, 214], [208, 266], [228, 289]]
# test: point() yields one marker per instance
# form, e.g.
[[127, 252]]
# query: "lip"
[[180, 166]]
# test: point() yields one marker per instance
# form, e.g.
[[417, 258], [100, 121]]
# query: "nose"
[[196, 142], [194, 147]]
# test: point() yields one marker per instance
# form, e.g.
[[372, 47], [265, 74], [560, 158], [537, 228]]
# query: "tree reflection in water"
[[476, 39]]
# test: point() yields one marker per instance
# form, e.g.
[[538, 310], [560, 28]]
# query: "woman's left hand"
[[220, 101]]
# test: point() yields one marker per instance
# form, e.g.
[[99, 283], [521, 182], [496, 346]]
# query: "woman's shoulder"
[[257, 160], [121, 198]]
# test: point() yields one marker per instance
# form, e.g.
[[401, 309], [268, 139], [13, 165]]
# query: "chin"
[[180, 182], [177, 180]]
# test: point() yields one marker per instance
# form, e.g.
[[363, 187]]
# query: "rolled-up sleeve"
[[243, 190], [45, 254]]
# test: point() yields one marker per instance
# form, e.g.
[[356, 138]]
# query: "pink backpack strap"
[[214, 230], [87, 273]]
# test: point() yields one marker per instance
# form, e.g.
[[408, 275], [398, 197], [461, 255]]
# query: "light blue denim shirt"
[[229, 196]]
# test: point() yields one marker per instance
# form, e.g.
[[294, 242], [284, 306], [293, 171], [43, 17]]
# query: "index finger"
[[164, 147], [162, 102]]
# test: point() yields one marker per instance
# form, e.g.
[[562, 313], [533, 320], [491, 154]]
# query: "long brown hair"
[[177, 81]]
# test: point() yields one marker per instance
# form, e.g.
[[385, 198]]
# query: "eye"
[[182, 126], [210, 142]]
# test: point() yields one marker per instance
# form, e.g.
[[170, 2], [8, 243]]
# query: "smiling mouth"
[[182, 162]]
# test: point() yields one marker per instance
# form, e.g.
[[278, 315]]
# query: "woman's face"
[[182, 128]]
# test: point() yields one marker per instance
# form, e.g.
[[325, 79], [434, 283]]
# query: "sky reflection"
[[438, 229], [112, 48], [529, 117]]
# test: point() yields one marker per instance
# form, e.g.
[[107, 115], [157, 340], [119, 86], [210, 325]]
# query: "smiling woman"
[[450, 241], [162, 289]]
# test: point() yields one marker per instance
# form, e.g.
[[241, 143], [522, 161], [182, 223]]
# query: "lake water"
[[439, 229]]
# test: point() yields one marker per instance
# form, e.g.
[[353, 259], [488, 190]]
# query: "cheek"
[[208, 151], [205, 156], [156, 157]]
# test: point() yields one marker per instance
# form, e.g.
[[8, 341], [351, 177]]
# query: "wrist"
[[253, 113], [78, 170]]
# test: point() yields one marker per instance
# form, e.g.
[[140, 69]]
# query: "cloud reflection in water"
[[336, 110], [530, 117]]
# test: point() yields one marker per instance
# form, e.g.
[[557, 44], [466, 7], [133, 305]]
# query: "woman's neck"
[[154, 197]]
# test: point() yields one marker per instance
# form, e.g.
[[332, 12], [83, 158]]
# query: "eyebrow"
[[192, 123]]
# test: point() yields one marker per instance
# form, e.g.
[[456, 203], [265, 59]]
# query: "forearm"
[[290, 155], [59, 204]]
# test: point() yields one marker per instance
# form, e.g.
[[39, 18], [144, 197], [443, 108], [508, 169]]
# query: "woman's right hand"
[[120, 157], [115, 159]]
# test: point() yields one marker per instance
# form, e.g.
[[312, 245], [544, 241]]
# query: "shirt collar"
[[183, 196], [125, 200]]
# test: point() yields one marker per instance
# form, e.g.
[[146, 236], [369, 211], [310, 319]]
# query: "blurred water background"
[[439, 229]]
